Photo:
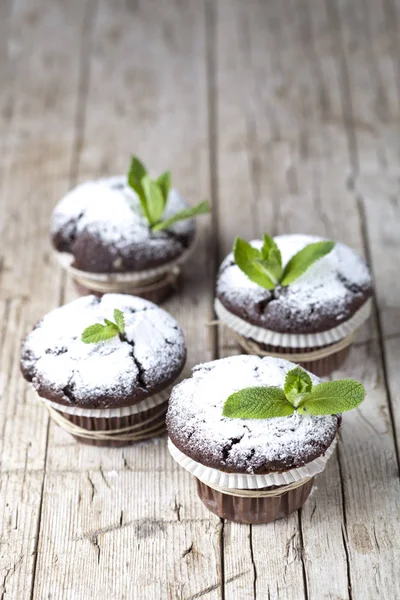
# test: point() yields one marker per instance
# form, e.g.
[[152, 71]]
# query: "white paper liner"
[[65, 260], [108, 413], [293, 340], [237, 481]]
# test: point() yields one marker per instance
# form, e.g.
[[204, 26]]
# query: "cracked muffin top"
[[326, 295], [249, 446], [120, 371], [102, 225]]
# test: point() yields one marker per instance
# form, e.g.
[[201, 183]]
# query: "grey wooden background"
[[286, 114]]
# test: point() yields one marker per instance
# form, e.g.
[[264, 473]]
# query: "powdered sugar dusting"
[[110, 373], [334, 286], [197, 427]]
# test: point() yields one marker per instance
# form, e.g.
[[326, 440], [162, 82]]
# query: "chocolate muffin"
[[113, 392], [104, 240], [233, 459], [313, 319]]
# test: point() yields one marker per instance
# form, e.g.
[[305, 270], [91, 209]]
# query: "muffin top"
[[249, 446], [102, 225], [326, 295], [113, 373]]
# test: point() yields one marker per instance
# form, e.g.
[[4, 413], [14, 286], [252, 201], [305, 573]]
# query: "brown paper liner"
[[115, 423], [321, 366], [253, 511], [157, 291]]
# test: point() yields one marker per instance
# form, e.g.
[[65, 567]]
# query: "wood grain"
[[305, 157], [166, 536], [287, 114], [38, 102]]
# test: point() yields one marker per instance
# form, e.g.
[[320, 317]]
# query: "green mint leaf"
[[99, 333], [297, 382], [257, 403], [249, 260], [300, 262], [110, 323], [164, 182], [271, 259], [186, 213], [332, 397], [154, 199], [136, 173], [119, 319]]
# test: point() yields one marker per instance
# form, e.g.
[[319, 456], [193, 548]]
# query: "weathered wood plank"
[[20, 496], [39, 81], [293, 57], [124, 535], [38, 156], [376, 187], [146, 94], [364, 363], [306, 103], [372, 62], [371, 485]]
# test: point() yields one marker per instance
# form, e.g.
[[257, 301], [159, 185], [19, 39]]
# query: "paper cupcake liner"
[[65, 260], [108, 413], [114, 431], [293, 340], [239, 481], [254, 511], [156, 290], [321, 361]]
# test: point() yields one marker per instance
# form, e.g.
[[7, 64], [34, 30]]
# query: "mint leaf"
[[99, 333], [300, 262], [153, 196], [257, 403], [110, 323], [299, 395], [164, 182], [154, 199], [186, 213], [119, 319], [249, 260], [136, 173], [297, 382], [271, 259], [332, 397]]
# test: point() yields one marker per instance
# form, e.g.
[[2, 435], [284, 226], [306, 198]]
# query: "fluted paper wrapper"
[[140, 422], [66, 259], [254, 511], [240, 481], [108, 413], [292, 340]]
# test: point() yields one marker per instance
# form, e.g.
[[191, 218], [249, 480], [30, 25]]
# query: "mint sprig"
[[99, 333], [298, 395], [264, 266], [153, 196]]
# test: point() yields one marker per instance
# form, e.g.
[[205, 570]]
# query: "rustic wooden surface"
[[287, 115]]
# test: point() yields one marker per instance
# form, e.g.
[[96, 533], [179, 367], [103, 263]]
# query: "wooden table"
[[286, 114]]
